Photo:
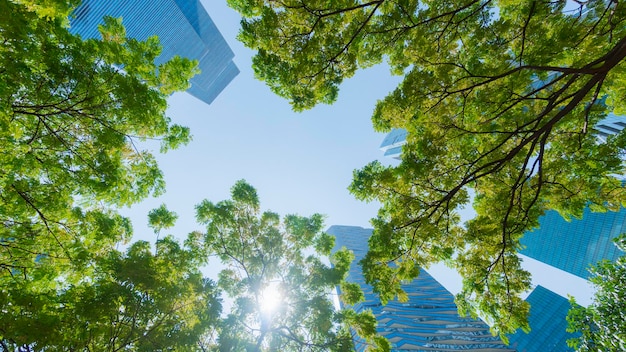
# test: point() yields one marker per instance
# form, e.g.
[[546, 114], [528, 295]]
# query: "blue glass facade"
[[428, 321], [392, 144], [612, 124], [575, 245], [184, 28], [547, 321]]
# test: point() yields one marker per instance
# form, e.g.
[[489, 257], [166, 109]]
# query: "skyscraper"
[[183, 27], [428, 321], [572, 247], [575, 245], [392, 144], [547, 321]]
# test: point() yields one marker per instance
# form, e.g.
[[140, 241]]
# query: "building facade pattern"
[[575, 245], [183, 27], [548, 325], [428, 321], [392, 144], [610, 125]]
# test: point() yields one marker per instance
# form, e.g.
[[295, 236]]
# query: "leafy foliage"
[[260, 253], [602, 323], [498, 97], [161, 218], [136, 301], [71, 112], [50, 9]]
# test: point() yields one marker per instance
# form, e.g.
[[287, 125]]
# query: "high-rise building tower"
[[183, 27], [392, 144], [572, 247], [575, 245], [428, 321], [548, 324]]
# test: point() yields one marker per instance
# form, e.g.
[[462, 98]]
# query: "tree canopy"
[[499, 99], [71, 114], [601, 325], [280, 287], [139, 300]]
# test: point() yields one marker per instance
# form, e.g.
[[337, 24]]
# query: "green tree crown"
[[261, 251], [601, 325], [498, 97], [72, 112]]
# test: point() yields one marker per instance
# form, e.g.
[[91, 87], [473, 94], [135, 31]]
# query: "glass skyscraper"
[[183, 27], [572, 247], [547, 321], [428, 321], [392, 144], [575, 245]]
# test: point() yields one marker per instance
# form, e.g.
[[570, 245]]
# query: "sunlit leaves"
[[50, 9], [601, 325], [300, 53], [137, 300], [499, 99], [72, 112], [161, 218], [351, 293], [264, 254], [71, 117]]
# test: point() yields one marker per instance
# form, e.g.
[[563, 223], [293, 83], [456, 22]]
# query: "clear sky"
[[299, 163]]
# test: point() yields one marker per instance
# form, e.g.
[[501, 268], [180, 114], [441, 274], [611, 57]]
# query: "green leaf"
[[161, 218]]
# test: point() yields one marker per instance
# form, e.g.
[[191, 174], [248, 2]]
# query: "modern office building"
[[575, 245], [572, 247], [392, 144], [611, 124], [428, 321], [548, 325], [183, 27]]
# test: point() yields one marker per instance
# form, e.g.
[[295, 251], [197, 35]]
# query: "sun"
[[270, 298]]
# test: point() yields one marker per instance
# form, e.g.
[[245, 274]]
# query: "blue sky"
[[300, 163]]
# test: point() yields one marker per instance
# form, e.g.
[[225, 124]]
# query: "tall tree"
[[281, 294], [71, 113], [500, 97], [139, 300], [50, 9], [601, 325]]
